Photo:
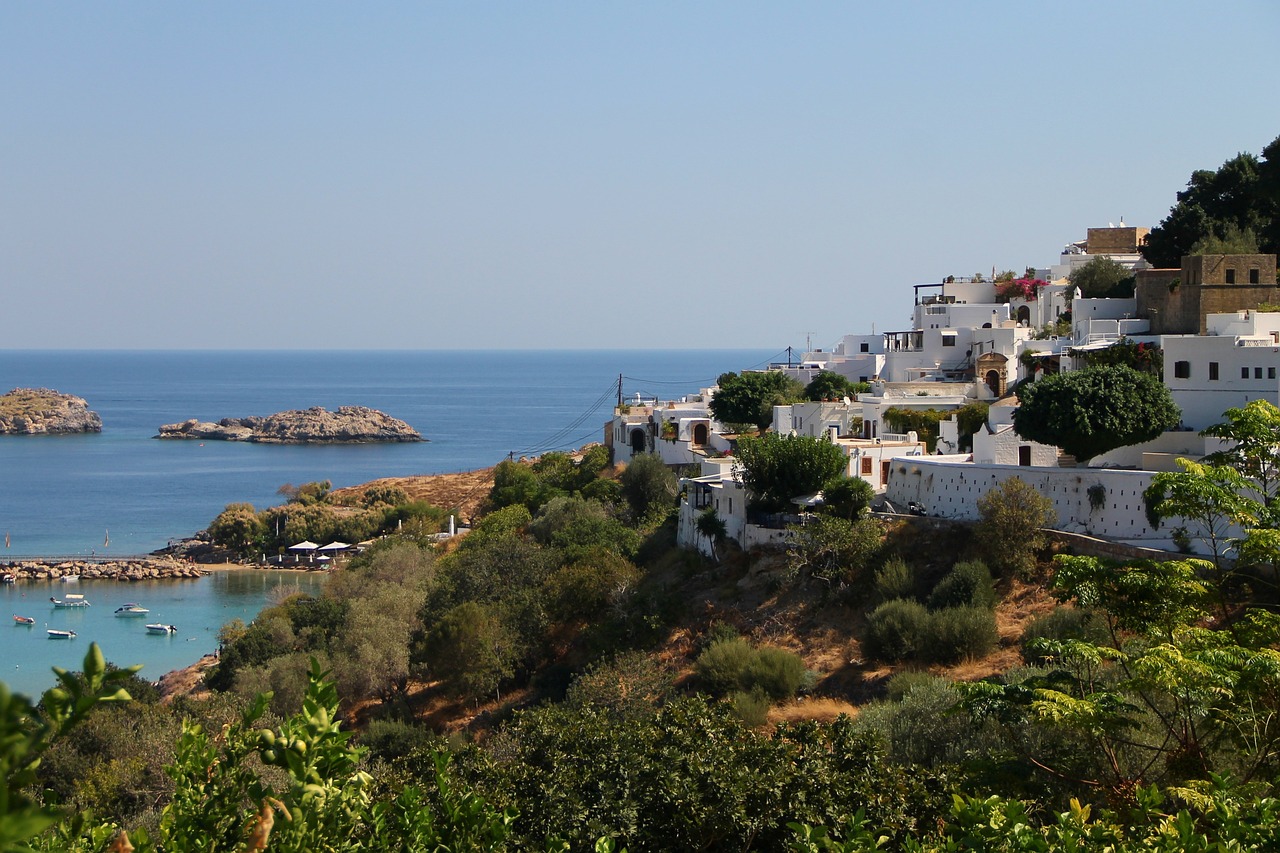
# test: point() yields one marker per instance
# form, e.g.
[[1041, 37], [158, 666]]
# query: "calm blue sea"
[[67, 495], [123, 493]]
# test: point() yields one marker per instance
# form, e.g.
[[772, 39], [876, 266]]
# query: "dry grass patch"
[[464, 491], [819, 709]]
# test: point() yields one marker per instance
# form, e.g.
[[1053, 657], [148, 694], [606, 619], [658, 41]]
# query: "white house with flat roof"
[[1236, 361]]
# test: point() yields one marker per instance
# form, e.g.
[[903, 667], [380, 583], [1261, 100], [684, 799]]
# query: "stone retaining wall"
[[120, 570]]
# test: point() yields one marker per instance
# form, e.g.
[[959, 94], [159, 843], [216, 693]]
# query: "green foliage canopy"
[[1089, 412], [1102, 278], [748, 398], [829, 385], [1236, 203], [775, 468]]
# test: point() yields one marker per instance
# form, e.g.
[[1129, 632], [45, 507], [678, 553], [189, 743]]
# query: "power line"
[[557, 439]]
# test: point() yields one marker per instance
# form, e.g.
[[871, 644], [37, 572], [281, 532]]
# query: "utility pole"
[[619, 390]]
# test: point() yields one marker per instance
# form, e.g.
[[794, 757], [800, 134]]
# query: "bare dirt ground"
[[463, 491]]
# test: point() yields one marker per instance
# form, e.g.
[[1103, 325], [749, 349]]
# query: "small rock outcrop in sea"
[[41, 411], [347, 425]]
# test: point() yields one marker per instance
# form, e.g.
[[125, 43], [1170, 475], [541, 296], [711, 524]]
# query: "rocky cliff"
[[347, 425], [40, 411]]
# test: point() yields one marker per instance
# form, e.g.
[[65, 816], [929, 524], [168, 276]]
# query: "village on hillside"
[[1210, 329]]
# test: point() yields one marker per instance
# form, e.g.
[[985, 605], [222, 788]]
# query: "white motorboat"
[[131, 609], [72, 599], [55, 634], [157, 628]]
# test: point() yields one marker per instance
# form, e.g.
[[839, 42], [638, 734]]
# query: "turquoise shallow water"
[[197, 607]]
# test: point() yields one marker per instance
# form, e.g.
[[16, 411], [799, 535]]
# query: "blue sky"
[[526, 175]]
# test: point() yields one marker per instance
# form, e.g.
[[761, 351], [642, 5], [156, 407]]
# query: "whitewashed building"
[[1238, 360]]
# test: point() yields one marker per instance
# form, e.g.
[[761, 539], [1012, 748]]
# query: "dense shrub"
[[733, 665], [896, 630], [921, 728], [778, 673], [648, 486], [968, 584], [905, 630], [957, 633], [894, 579], [751, 707], [902, 683], [721, 667]]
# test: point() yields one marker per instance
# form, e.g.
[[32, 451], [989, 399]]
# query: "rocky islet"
[[345, 425], [43, 411]]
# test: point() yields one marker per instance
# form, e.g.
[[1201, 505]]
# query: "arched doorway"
[[638, 442], [699, 434], [992, 369], [1024, 315]]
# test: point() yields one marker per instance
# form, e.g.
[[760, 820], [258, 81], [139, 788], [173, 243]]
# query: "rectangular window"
[[865, 347], [948, 340], [866, 466], [1182, 370], [1024, 455], [1213, 370], [1244, 373], [1271, 373], [1253, 275], [1231, 275], [1257, 373]]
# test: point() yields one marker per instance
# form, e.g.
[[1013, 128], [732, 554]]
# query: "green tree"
[[847, 497], [576, 527], [517, 483], [1254, 433], [775, 468], [1011, 526], [1238, 198], [1089, 412], [829, 385], [748, 399], [648, 485], [833, 549], [470, 650], [712, 528], [238, 527], [1102, 278]]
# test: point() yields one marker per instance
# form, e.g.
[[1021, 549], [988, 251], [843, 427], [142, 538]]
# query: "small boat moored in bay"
[[71, 599], [23, 620], [161, 629], [55, 634], [131, 609]]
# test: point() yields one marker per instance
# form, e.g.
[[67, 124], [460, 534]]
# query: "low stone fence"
[[120, 570], [1078, 543], [1089, 546]]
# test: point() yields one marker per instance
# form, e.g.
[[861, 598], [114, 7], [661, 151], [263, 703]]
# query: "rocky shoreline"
[[43, 411], [346, 425], [127, 570]]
